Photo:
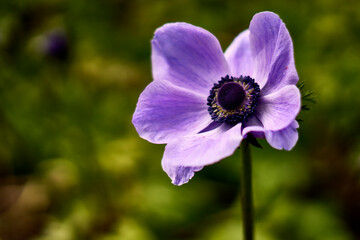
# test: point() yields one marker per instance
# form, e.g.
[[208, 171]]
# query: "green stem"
[[246, 192]]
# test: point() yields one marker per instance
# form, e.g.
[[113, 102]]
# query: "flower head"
[[57, 44], [203, 102]]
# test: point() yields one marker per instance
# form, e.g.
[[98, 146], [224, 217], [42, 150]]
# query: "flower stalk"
[[246, 192]]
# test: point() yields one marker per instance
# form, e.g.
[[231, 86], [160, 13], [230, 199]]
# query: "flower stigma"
[[232, 100], [231, 95]]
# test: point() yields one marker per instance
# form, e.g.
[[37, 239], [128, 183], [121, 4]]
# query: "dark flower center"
[[232, 100], [231, 95]]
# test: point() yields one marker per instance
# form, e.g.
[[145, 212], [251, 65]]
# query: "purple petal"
[[252, 125], [165, 112], [213, 125], [273, 52], [285, 138], [188, 154], [180, 175], [277, 110], [239, 55], [282, 139], [188, 56]]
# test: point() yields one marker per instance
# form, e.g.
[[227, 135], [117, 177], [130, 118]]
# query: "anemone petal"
[[165, 112], [188, 154], [188, 56], [273, 52]]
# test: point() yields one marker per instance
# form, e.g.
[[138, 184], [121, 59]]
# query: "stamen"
[[233, 100]]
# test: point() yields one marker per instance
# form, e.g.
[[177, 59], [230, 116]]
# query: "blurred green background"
[[73, 167]]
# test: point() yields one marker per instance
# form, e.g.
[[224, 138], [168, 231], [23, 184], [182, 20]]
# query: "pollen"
[[233, 100]]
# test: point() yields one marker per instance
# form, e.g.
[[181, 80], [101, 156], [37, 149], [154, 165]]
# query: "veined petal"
[[277, 110], [166, 112], [273, 52], [188, 56], [239, 55], [186, 155], [253, 124], [285, 138], [180, 175]]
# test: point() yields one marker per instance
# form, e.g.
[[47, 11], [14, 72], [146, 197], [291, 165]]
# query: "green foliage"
[[307, 96]]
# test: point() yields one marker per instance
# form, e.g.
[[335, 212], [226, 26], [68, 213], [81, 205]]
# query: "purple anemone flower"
[[203, 102], [57, 44]]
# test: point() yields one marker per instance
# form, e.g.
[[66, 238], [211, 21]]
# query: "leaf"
[[253, 141]]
